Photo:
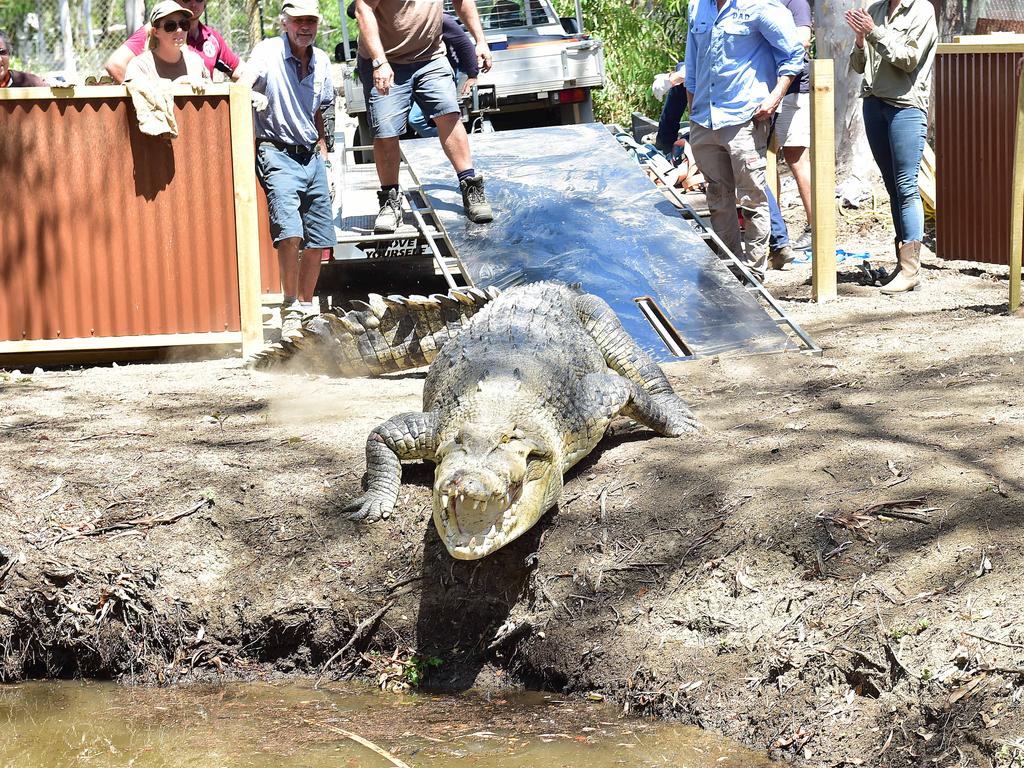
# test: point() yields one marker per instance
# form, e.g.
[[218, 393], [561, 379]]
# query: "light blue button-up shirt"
[[735, 56], [293, 102]]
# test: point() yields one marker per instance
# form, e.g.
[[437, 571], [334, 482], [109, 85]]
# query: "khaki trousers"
[[732, 160]]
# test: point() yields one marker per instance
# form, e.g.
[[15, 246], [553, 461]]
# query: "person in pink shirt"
[[204, 40]]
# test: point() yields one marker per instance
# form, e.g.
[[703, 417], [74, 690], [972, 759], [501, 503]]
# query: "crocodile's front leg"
[[604, 396], [405, 437]]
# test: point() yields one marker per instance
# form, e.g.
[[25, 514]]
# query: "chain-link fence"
[[72, 38]]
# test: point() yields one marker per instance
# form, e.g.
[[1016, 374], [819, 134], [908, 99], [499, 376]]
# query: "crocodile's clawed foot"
[[680, 420], [367, 509]]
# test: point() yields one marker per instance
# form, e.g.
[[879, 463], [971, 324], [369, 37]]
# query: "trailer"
[[544, 73], [572, 206]]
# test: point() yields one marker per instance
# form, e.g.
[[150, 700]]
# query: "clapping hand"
[[861, 23]]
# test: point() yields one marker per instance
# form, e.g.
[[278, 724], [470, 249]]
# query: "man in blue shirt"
[[741, 57], [294, 79]]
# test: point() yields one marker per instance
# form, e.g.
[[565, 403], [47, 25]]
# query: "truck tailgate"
[[531, 68]]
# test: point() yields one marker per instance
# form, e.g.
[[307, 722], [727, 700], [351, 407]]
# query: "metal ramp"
[[571, 205]]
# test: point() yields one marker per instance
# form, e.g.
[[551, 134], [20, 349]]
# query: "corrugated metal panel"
[[988, 26], [1003, 9], [270, 270], [109, 232], [974, 112]]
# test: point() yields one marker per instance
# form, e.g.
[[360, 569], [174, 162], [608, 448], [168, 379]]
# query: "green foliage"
[[416, 669], [641, 39], [915, 629]]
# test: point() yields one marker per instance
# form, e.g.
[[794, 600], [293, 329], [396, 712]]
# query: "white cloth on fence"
[[154, 106]]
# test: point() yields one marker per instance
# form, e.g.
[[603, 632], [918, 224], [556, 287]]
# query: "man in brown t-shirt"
[[401, 58]]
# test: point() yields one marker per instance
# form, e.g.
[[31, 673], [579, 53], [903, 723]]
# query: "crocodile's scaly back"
[[383, 335]]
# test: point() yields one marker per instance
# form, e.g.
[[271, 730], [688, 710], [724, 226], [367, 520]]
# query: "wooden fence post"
[[823, 180], [1017, 203], [247, 233]]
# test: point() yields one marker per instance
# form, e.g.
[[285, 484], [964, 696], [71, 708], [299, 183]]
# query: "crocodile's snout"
[[479, 506]]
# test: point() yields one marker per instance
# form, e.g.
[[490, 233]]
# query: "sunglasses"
[[170, 26]]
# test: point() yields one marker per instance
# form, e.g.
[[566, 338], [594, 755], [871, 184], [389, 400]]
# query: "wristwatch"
[[378, 63]]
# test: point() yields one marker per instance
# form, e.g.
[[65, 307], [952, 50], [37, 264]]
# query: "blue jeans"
[[779, 237], [896, 136], [419, 123], [668, 131], [298, 196]]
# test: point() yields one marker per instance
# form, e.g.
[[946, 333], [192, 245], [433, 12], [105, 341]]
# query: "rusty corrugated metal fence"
[[975, 110], [108, 233]]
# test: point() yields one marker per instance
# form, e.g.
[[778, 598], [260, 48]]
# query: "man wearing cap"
[[402, 58], [10, 78], [204, 40], [741, 58], [295, 78]]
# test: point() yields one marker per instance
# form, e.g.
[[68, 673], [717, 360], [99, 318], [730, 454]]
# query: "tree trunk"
[[67, 40], [833, 40], [133, 14]]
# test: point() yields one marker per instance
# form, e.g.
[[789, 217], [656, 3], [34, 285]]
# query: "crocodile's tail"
[[384, 335]]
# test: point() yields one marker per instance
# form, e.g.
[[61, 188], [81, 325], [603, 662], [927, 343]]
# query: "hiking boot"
[[390, 216], [803, 243], [291, 320], [780, 257], [474, 201]]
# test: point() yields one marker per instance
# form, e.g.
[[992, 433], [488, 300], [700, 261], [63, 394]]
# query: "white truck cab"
[[543, 74]]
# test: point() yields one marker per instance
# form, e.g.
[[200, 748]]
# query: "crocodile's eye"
[[505, 439]]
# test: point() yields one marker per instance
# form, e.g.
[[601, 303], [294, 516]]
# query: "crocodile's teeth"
[[472, 541], [461, 498], [491, 533], [508, 514], [444, 501]]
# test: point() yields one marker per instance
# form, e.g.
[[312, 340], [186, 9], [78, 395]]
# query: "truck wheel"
[[574, 114]]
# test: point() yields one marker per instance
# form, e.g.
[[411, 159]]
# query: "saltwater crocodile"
[[523, 385]]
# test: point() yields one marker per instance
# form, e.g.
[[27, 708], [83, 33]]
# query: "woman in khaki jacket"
[[894, 49]]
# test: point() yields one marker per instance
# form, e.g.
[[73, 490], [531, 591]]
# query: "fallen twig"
[[896, 509], [111, 434], [358, 635], [994, 641], [360, 740], [135, 523]]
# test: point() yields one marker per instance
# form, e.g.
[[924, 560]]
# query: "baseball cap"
[[166, 8], [297, 8]]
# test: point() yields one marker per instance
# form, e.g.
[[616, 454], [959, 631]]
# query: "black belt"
[[293, 149]]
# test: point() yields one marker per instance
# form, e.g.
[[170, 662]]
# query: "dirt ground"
[[832, 573]]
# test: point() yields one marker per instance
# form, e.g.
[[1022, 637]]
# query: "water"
[[259, 725]]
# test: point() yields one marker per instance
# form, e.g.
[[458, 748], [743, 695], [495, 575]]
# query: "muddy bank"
[[832, 573]]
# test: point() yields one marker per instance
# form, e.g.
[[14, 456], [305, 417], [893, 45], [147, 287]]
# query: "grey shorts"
[[793, 121], [430, 83], [298, 197]]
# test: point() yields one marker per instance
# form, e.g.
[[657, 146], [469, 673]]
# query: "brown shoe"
[[780, 257]]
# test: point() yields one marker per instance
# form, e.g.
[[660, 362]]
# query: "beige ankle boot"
[[908, 277]]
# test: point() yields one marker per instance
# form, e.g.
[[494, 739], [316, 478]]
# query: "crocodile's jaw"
[[471, 529]]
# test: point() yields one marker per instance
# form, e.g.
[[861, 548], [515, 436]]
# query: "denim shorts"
[[431, 83], [298, 197]]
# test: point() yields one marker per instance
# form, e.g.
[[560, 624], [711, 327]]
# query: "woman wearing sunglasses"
[[203, 39], [168, 57]]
